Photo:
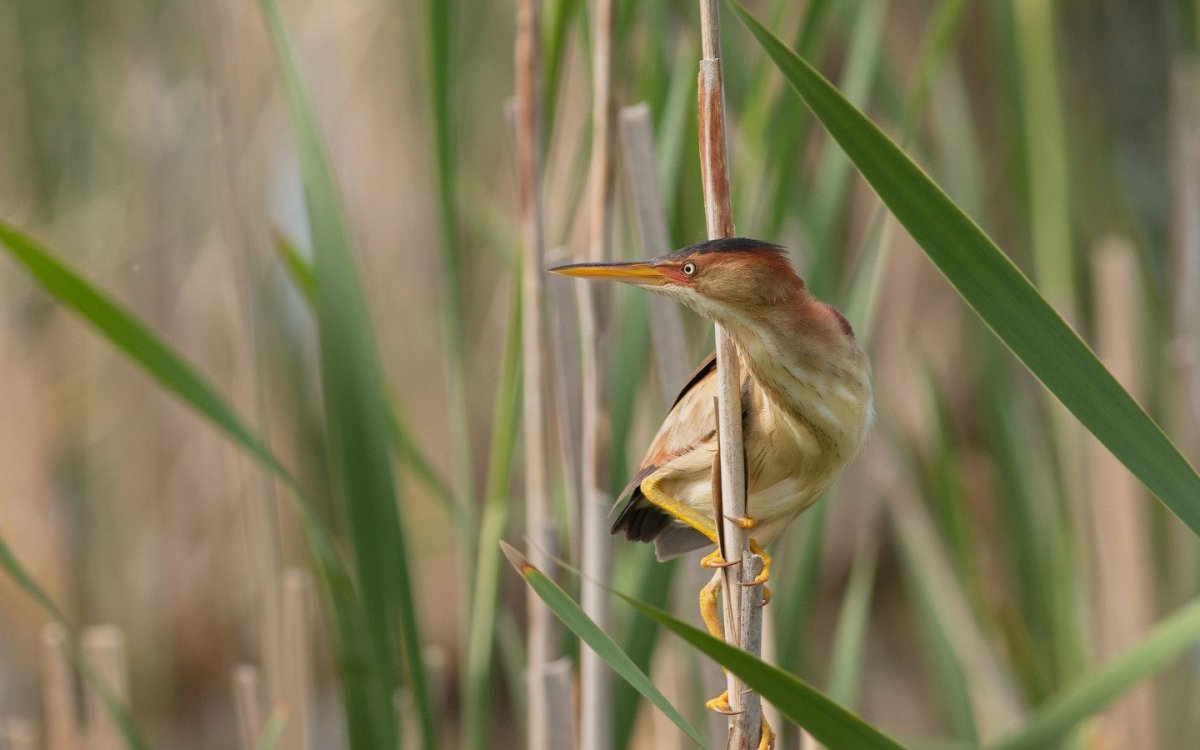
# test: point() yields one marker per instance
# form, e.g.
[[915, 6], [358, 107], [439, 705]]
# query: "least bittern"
[[806, 402]]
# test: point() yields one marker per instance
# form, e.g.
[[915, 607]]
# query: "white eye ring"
[[689, 268]]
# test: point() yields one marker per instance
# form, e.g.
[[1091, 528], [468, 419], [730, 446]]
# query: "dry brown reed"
[[714, 170], [595, 541]]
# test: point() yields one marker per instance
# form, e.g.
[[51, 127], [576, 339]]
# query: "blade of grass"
[[113, 705], [829, 723], [954, 696], [441, 67], [590, 633], [1091, 692], [640, 639], [996, 289], [793, 613], [993, 698], [827, 202], [482, 629], [355, 408], [849, 639], [408, 450], [178, 377]]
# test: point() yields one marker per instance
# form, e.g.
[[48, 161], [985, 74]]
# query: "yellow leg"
[[765, 575], [714, 560], [709, 611], [652, 489], [768, 737], [720, 704]]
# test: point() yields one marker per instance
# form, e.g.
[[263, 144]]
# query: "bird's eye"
[[689, 268]]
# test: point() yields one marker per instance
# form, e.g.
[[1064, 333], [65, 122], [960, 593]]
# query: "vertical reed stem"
[[714, 168], [670, 345], [17, 733], [296, 687], [596, 543], [60, 710], [248, 705], [538, 523], [104, 648]]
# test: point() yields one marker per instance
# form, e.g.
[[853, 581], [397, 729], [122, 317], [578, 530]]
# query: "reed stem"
[[539, 524], [741, 631], [596, 542]]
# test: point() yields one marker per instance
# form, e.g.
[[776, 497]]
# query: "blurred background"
[[982, 551]]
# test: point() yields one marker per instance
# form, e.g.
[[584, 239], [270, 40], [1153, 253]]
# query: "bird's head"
[[721, 279]]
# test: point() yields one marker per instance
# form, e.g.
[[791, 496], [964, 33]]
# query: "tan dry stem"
[[714, 169], [538, 522]]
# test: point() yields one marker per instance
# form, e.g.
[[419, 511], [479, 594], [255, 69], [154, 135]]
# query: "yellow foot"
[[720, 704], [768, 737], [743, 522], [714, 560], [765, 575], [709, 611]]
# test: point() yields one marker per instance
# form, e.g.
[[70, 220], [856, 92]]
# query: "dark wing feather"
[[641, 520], [707, 366]]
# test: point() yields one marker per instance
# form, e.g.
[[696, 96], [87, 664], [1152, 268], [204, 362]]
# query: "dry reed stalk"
[[557, 682], [1123, 581], [18, 733], [104, 648], [258, 504], [714, 169], [595, 541], [296, 685], [539, 524], [60, 710], [769, 712], [667, 674], [248, 704], [670, 345]]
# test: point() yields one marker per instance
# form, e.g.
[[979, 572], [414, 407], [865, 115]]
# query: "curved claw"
[[765, 575], [714, 560], [742, 522]]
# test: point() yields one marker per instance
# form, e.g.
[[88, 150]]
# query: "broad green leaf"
[[995, 288], [178, 377], [358, 440], [590, 633], [826, 721], [137, 341], [407, 448], [1091, 692], [654, 584]]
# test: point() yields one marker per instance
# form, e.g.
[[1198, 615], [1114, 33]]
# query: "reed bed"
[[321, 377]]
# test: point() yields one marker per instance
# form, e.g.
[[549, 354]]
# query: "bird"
[[807, 402]]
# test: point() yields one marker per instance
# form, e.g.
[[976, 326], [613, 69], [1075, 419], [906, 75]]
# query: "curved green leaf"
[[995, 288], [1091, 692], [407, 448], [178, 377], [826, 721], [590, 633], [117, 710], [358, 439]]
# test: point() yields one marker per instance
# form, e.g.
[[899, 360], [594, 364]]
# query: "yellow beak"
[[631, 273]]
